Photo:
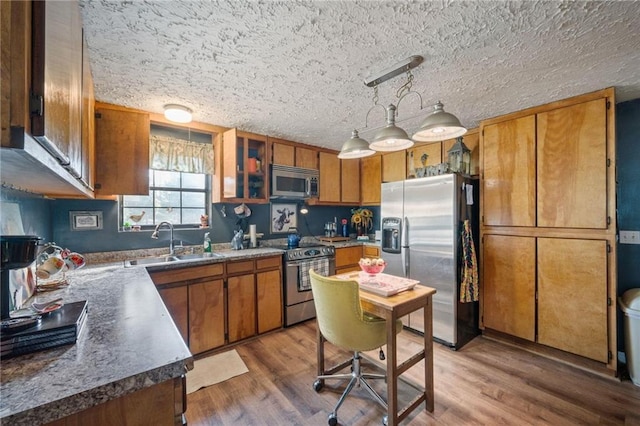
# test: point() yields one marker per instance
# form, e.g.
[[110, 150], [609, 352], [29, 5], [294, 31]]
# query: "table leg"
[[428, 355], [392, 373]]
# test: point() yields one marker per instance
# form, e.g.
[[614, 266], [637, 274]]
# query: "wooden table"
[[391, 308]]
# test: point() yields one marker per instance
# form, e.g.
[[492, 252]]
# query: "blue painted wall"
[[221, 227], [628, 194], [35, 211]]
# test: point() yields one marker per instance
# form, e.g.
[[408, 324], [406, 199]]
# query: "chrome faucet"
[[155, 235]]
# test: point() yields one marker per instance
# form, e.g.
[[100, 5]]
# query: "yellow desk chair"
[[343, 323]]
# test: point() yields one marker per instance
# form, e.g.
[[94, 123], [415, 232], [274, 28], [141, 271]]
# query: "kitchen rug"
[[215, 369]]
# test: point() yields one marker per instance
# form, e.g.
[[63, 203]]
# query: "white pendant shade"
[[177, 113], [438, 126]]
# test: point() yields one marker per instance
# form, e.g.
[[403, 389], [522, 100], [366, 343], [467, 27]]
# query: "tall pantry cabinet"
[[548, 228]]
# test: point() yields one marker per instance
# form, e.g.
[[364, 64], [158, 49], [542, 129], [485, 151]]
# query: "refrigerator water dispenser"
[[391, 234]]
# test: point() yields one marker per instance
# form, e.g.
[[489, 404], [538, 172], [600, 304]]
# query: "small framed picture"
[[283, 217], [85, 221]]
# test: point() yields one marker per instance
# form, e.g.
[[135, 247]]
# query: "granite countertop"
[[128, 342]]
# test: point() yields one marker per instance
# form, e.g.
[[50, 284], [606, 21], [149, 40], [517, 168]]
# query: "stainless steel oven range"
[[298, 298]]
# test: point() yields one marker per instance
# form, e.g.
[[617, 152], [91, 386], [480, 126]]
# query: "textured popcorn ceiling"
[[295, 69]]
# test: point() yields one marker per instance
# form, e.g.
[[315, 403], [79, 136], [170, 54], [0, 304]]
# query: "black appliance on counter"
[[18, 253], [298, 298]]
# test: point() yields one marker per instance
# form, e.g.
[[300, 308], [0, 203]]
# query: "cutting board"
[[333, 239]]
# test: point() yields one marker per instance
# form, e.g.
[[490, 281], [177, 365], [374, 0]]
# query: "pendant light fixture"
[[439, 125], [177, 113], [391, 137], [355, 147]]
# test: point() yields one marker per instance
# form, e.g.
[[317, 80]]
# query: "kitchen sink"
[[198, 256], [170, 259], [150, 260]]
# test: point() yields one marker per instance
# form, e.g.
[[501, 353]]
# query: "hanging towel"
[[469, 273], [320, 266]]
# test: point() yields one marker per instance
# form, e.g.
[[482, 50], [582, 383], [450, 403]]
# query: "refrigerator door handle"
[[405, 247]]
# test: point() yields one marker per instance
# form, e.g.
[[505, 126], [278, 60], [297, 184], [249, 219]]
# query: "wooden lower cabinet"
[[509, 285], [221, 303], [570, 312], [370, 251], [176, 301], [572, 296], [206, 315], [269, 300], [241, 302], [347, 259], [161, 404]]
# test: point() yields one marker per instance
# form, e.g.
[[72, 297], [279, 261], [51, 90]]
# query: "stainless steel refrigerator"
[[421, 223]]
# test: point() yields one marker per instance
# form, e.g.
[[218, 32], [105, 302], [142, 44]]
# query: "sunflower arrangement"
[[363, 218]]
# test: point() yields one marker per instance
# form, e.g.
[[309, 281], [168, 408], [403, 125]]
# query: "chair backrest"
[[340, 317]]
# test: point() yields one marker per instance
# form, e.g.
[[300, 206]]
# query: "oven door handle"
[[300, 262]]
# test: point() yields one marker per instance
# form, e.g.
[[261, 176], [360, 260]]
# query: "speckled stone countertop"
[[128, 342]]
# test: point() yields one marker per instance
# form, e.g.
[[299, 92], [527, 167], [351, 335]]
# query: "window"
[[177, 197], [179, 179]]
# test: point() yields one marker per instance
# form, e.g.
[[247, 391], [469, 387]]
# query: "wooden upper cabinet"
[[509, 283], [291, 154], [509, 188], [244, 170], [572, 166], [572, 296], [350, 178], [394, 166], [88, 122], [56, 77], [122, 151], [432, 153], [471, 140], [329, 185], [306, 158], [283, 154], [370, 179]]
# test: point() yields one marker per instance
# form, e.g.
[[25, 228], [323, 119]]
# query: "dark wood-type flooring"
[[484, 383]]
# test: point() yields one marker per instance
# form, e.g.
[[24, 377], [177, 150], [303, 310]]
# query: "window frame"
[[207, 201]]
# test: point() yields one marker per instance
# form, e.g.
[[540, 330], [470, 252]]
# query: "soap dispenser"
[[207, 243]]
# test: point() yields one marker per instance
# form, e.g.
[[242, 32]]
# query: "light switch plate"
[[629, 237]]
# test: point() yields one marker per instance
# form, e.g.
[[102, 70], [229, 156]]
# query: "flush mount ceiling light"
[[177, 113], [439, 125]]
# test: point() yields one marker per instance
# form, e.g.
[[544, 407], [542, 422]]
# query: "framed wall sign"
[[85, 220], [283, 217]]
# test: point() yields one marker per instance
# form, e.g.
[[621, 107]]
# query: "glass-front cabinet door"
[[244, 166]]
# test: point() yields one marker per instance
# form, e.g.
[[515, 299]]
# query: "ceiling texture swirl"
[[296, 69]]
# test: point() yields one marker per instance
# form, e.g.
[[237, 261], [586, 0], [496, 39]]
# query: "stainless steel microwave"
[[293, 182]]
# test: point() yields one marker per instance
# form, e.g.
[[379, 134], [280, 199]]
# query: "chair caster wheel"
[[333, 419], [317, 386]]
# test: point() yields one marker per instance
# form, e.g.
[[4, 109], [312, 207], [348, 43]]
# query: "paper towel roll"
[[252, 236]]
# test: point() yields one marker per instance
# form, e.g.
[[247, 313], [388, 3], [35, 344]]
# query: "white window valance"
[[179, 155]]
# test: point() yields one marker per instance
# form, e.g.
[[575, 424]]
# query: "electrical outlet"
[[629, 237]]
